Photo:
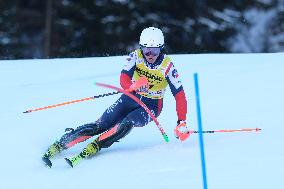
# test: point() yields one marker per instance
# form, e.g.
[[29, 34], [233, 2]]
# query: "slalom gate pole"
[[200, 131], [70, 102], [228, 130]]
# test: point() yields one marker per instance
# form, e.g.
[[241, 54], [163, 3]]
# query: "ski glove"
[[181, 131], [140, 86]]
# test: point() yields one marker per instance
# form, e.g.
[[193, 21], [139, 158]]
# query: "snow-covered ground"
[[237, 91]]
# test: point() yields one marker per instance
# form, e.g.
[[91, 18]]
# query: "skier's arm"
[[176, 87], [125, 81], [127, 72], [181, 105], [181, 131]]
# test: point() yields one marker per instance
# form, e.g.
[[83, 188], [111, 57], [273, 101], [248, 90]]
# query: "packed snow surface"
[[236, 91]]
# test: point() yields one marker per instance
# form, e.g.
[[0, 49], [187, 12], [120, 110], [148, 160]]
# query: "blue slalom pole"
[[201, 145]]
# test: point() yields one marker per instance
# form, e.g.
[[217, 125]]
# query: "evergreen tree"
[[68, 28]]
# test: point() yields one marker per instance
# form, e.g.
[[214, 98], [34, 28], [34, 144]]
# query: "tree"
[[66, 28]]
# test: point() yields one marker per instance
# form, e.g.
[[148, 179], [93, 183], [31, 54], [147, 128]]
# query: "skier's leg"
[[136, 118], [72, 137], [113, 115], [115, 134], [109, 118], [103, 141], [80, 134]]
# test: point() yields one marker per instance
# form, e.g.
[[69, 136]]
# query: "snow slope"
[[237, 91]]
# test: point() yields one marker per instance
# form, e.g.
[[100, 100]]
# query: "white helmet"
[[151, 37]]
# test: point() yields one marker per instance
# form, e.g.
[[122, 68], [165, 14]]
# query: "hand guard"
[[181, 131], [143, 89], [140, 86]]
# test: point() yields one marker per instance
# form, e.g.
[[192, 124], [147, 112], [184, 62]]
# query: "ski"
[[53, 149], [47, 162], [71, 161], [74, 160], [90, 150]]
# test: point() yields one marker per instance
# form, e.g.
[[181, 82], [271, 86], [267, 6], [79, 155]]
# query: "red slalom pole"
[[229, 130]]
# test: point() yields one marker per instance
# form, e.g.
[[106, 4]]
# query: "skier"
[[117, 121]]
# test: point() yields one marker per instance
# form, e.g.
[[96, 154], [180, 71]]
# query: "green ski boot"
[[54, 149], [87, 152]]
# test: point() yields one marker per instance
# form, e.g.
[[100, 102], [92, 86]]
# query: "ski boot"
[[54, 149], [87, 152]]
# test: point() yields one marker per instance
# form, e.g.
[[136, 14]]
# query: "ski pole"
[[70, 102], [229, 130]]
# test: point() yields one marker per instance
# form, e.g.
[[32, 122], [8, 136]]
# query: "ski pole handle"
[[70, 102]]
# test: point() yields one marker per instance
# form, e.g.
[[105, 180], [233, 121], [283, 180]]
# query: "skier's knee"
[[123, 129], [125, 126], [89, 129]]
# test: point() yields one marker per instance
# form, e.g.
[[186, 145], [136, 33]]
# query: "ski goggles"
[[147, 51]]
